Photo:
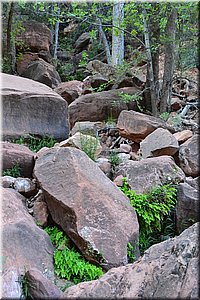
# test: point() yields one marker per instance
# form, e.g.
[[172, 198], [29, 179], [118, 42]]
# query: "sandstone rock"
[[40, 286], [159, 142], [119, 180], [24, 245], [143, 175], [183, 136], [168, 270], [100, 68], [30, 107], [187, 207], [69, 90], [14, 154], [123, 157], [40, 210], [42, 72], [93, 212], [136, 126], [83, 142], [125, 148], [36, 36], [189, 156], [25, 186], [176, 103], [83, 41], [104, 165], [100, 106], [87, 127], [7, 181], [25, 61]]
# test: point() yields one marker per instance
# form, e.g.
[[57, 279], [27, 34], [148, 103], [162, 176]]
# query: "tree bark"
[[105, 42], [169, 64], [117, 34], [10, 40], [56, 34], [150, 66]]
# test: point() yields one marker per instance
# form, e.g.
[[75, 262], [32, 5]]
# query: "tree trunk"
[[150, 66], [117, 34], [56, 34], [10, 40], [105, 42], [169, 64]]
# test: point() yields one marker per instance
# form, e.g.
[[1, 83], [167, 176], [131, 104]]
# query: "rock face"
[[82, 41], [159, 142], [189, 156], [36, 36], [24, 244], [168, 270], [183, 136], [14, 154], [100, 106], [87, 127], [187, 207], [30, 107], [93, 212], [43, 72], [136, 126], [25, 61], [69, 90], [144, 174]]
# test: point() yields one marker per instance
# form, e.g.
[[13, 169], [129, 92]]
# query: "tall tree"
[[117, 34], [10, 50], [169, 64]]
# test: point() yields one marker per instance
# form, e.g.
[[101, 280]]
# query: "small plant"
[[15, 171], [114, 159], [130, 253], [69, 263], [89, 145], [164, 116], [25, 286], [103, 86], [84, 60], [154, 211], [35, 143]]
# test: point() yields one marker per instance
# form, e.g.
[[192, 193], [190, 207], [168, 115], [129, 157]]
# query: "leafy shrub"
[[15, 171], [130, 253], [89, 145], [69, 263], [155, 213], [35, 143]]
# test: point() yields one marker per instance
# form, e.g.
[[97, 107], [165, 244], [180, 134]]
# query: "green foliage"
[[130, 253], [114, 159], [84, 60], [154, 211], [164, 116], [15, 171], [6, 66], [25, 286], [89, 145], [103, 86], [69, 263], [35, 143]]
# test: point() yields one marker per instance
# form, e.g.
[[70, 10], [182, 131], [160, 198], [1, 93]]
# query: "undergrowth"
[[35, 143], [155, 212], [68, 262], [15, 171]]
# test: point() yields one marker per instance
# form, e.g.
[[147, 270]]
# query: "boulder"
[[183, 136], [187, 207], [14, 154], [145, 174], [92, 211], [189, 156], [69, 90], [100, 68], [84, 142], [25, 186], [24, 61], [136, 126], [43, 72], [168, 270], [40, 287], [7, 181], [24, 245], [87, 127], [159, 142], [82, 42], [100, 106], [34, 37], [105, 166], [30, 107]]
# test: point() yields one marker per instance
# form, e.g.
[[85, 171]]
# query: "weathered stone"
[[189, 156], [123, 157], [168, 270], [42, 72], [40, 287], [187, 207], [125, 148], [30, 107], [83, 142], [25, 61], [7, 181], [40, 210], [36, 36], [104, 165], [136, 126], [69, 90], [24, 245], [25, 186], [83, 41], [144, 174], [159, 142], [93, 212], [14, 154], [183, 136], [87, 127], [100, 68], [100, 106]]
